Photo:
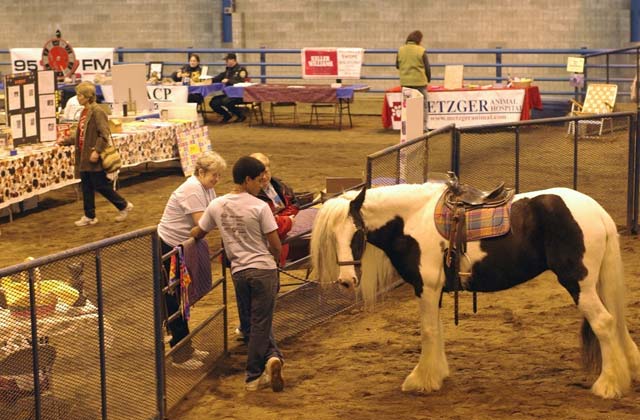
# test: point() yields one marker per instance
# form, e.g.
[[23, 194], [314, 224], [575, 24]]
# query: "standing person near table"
[[222, 104], [250, 236], [91, 138], [182, 212], [413, 65], [192, 71]]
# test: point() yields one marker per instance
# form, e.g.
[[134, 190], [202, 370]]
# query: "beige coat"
[[97, 136]]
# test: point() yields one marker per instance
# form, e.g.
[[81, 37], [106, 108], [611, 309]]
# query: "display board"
[[90, 60], [30, 104], [331, 63]]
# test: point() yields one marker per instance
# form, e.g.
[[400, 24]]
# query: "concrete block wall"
[[300, 23], [372, 24]]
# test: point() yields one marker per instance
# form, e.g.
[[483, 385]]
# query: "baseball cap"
[[230, 56]]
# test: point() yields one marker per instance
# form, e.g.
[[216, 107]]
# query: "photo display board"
[[31, 110]]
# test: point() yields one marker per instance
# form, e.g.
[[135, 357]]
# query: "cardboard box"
[[341, 184]]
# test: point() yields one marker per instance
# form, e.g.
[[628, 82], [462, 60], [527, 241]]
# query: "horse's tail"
[[611, 291]]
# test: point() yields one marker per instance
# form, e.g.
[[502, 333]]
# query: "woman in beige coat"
[[92, 137]]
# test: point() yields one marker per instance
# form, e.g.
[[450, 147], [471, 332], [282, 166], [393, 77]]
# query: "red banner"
[[320, 63]]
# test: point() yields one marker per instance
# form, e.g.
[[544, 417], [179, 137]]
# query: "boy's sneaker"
[[85, 221], [191, 364], [122, 215], [199, 354], [260, 383], [274, 372]]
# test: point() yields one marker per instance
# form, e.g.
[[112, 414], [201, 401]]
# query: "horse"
[[389, 232]]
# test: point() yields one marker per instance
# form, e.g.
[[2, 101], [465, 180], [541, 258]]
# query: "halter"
[[358, 243]]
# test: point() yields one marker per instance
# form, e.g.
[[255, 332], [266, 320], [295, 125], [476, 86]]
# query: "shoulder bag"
[[110, 158]]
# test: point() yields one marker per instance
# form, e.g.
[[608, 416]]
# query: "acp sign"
[[168, 93], [91, 60]]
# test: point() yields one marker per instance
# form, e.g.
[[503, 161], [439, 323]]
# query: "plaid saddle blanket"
[[482, 222]]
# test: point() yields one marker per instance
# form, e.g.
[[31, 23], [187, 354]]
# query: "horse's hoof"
[[606, 389], [413, 384]]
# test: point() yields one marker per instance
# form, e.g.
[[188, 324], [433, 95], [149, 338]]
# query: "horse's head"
[[338, 240], [351, 239]]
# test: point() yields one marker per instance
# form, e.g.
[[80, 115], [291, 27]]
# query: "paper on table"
[[31, 129], [46, 81], [16, 126], [47, 129], [14, 97], [47, 106]]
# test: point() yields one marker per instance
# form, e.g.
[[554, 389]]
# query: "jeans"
[[226, 106], [256, 292], [98, 181]]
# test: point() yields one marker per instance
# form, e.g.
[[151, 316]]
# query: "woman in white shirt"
[[182, 212]]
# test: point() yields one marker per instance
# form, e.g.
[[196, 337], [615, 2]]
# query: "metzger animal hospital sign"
[[466, 108]]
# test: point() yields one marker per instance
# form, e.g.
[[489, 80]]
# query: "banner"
[[466, 108], [331, 63], [91, 60], [168, 93]]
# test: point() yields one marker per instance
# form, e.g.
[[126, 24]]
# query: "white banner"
[[168, 93], [466, 108], [331, 63], [91, 60]]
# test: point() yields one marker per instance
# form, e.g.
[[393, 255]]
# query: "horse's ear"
[[356, 203]]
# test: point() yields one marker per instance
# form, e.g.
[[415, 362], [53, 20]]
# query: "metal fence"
[[482, 66], [527, 155], [98, 349]]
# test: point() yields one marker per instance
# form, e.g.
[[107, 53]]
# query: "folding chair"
[[275, 105], [600, 99]]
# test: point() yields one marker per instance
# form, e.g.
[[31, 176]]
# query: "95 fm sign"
[[90, 60]]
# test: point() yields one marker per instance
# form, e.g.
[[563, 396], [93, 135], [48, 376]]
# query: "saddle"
[[467, 213]]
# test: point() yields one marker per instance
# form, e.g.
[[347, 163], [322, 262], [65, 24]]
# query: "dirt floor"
[[518, 357]]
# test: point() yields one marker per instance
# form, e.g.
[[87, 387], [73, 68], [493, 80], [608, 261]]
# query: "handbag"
[[110, 159]]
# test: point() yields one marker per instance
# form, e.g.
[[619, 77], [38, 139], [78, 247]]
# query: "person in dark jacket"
[[222, 104]]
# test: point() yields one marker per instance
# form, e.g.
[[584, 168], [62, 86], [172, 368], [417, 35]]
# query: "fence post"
[[101, 334], [634, 160], [499, 65], [161, 385], [455, 151], [263, 66], [120, 55]]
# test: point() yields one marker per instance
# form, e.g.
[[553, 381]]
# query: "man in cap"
[[222, 104]]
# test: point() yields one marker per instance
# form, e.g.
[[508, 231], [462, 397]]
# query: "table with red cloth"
[[391, 111]]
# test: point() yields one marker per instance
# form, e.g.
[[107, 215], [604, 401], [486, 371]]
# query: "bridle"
[[358, 243]]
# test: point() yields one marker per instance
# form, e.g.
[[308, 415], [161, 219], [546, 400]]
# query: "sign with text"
[[91, 60], [168, 93], [331, 63], [466, 108], [575, 64]]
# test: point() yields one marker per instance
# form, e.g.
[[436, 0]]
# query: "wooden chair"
[[600, 99]]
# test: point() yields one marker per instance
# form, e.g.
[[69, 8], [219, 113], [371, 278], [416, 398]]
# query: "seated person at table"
[[282, 202], [72, 109], [193, 72], [222, 104]]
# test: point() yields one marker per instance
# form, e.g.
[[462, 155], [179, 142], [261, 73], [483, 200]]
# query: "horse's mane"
[[377, 272], [324, 256]]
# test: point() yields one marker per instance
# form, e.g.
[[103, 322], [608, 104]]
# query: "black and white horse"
[[390, 231]]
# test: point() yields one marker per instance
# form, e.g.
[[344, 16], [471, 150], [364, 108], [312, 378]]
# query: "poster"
[[14, 98], [16, 127], [331, 63], [30, 124], [46, 82], [47, 106], [48, 130], [29, 92]]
